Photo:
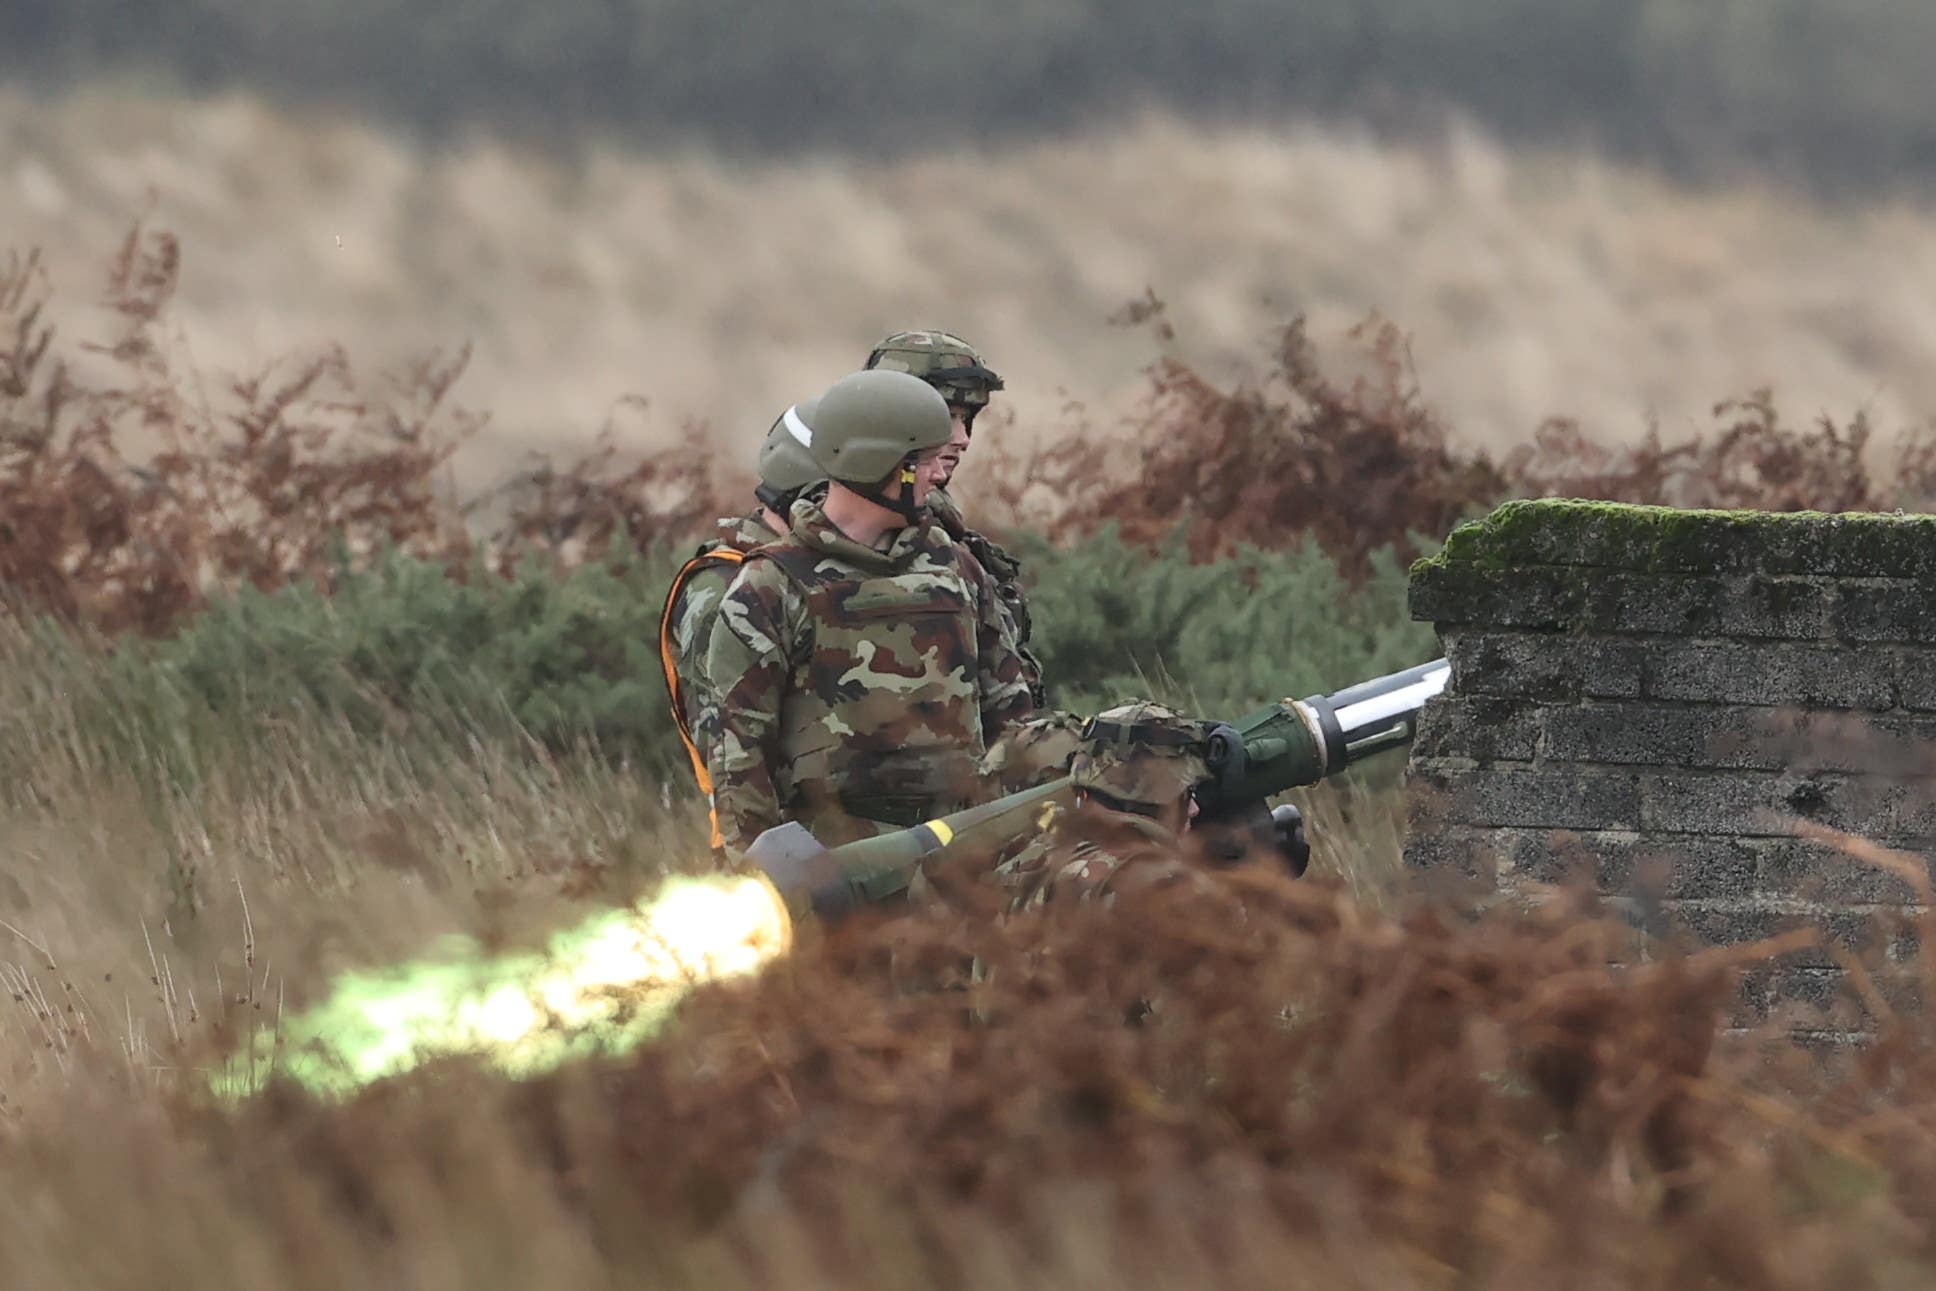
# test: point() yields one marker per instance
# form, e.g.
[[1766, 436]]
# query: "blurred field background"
[[305, 659], [719, 288]]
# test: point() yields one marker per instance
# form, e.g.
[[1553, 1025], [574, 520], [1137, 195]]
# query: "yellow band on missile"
[[941, 831]]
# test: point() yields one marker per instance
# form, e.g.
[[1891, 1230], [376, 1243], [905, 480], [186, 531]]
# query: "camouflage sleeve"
[[1002, 678], [748, 659]]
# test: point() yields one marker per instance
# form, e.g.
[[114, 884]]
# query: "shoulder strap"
[[795, 561], [717, 556]]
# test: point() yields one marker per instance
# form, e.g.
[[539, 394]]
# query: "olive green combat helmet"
[[786, 465], [867, 429], [1140, 757], [944, 361]]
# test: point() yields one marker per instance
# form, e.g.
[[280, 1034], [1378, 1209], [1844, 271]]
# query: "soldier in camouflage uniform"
[[692, 603], [1133, 774], [862, 661], [957, 370]]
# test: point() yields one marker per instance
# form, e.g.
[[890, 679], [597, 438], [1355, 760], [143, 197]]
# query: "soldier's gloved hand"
[[1287, 824]]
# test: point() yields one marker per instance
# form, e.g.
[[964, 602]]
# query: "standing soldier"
[[692, 602], [1134, 773], [955, 368], [863, 662]]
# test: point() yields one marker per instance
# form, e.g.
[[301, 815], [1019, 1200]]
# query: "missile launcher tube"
[[1300, 741], [1284, 746]]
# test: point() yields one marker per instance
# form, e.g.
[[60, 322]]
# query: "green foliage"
[[1114, 621], [1836, 89], [402, 662], [565, 660], [407, 657]]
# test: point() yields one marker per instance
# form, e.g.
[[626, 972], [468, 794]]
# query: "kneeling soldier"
[[1133, 775]]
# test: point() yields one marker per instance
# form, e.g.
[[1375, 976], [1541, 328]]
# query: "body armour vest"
[[882, 718]]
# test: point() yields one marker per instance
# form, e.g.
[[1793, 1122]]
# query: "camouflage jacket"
[[1091, 855], [686, 628], [857, 687], [1006, 573]]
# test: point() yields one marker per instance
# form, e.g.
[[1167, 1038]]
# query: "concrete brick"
[[1588, 798], [1630, 864], [1771, 674], [1873, 935], [1567, 856], [1915, 809], [1480, 727], [1916, 679], [1793, 608], [1798, 868], [1814, 999], [1831, 999], [1864, 546], [1749, 803], [1889, 744], [1542, 597], [1678, 605], [1726, 923], [1887, 610], [1476, 855], [1742, 737], [1549, 665], [1574, 598], [1669, 735]]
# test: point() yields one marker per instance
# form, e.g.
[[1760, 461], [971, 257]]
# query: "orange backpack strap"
[[717, 556]]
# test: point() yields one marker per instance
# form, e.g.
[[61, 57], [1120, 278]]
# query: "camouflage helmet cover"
[[786, 465], [1033, 751], [943, 360], [868, 423], [1141, 754]]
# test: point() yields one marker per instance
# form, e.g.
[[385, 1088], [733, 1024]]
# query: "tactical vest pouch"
[[889, 602]]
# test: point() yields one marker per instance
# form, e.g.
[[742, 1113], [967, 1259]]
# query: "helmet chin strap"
[[781, 500], [904, 505]]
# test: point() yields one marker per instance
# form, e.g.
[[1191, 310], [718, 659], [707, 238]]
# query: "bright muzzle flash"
[[602, 987]]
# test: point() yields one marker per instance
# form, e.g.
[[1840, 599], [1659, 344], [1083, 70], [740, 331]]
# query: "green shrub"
[[1114, 622], [565, 660], [407, 657]]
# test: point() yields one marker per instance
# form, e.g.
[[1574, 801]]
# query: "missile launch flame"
[[601, 987]]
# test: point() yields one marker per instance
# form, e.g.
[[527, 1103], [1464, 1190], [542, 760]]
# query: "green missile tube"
[[1297, 742], [832, 882]]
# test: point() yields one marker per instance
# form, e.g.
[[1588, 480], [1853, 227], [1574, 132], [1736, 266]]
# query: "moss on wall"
[[1651, 539]]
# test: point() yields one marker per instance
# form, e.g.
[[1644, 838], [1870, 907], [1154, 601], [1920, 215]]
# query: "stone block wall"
[[1671, 702]]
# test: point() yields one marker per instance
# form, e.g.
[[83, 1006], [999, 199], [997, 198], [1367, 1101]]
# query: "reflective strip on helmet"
[[726, 555], [797, 428]]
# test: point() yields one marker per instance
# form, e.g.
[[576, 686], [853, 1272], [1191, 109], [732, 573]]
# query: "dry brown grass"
[[1271, 1082], [1532, 285], [135, 484]]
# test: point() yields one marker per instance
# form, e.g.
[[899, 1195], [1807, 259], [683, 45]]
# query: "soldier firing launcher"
[[1286, 745]]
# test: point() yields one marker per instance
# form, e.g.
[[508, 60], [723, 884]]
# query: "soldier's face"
[[931, 471], [957, 446]]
